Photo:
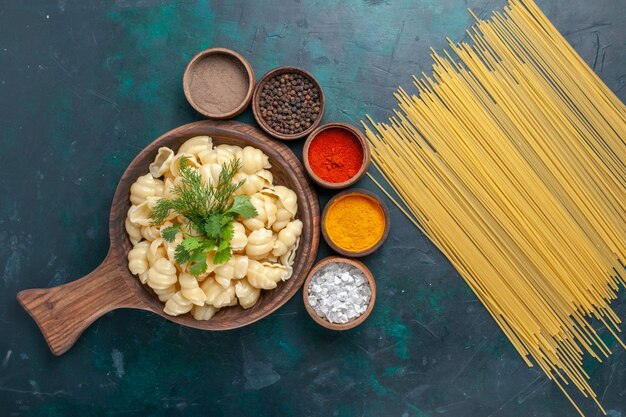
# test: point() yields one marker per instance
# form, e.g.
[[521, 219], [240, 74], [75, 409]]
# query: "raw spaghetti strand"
[[512, 160]]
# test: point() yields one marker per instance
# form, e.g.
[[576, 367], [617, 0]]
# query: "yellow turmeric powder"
[[355, 222]]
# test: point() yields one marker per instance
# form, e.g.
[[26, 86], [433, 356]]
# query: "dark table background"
[[84, 85]]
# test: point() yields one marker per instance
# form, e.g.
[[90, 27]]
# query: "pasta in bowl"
[[64, 312], [260, 247], [286, 170]]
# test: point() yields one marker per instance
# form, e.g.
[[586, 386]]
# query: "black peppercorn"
[[290, 104]]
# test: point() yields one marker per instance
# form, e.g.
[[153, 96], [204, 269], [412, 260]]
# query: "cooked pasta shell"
[[246, 293], [162, 274], [205, 312], [196, 145], [260, 243], [190, 289], [162, 162], [253, 160], [287, 238], [216, 295], [133, 230], [138, 261], [175, 164], [177, 305], [140, 215]]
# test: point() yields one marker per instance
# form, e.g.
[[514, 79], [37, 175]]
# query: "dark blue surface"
[[85, 85]]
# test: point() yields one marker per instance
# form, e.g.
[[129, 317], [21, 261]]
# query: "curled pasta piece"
[[185, 225], [225, 272], [234, 149], [270, 210], [133, 230], [166, 293], [259, 221], [169, 185], [283, 214], [145, 186], [258, 278], [190, 289], [266, 275], [162, 274], [138, 261], [288, 198], [253, 183], [283, 217], [175, 164], [235, 268], [253, 160], [177, 305], [260, 243], [159, 187], [240, 266], [220, 155], [140, 215], [205, 312], [168, 189], [216, 295], [162, 161], [240, 239], [153, 232], [196, 145], [287, 238], [170, 247], [210, 266], [288, 258], [156, 251], [151, 202], [246, 293], [150, 232], [210, 173], [277, 271]]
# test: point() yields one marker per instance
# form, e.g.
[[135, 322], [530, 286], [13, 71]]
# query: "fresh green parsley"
[[211, 211]]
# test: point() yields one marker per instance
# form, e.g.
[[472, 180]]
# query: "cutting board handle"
[[64, 312]]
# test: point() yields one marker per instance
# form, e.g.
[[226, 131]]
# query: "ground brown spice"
[[219, 83]]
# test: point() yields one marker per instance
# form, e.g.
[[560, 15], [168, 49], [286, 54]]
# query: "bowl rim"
[[256, 98], [339, 249], [362, 141], [215, 51], [339, 326]]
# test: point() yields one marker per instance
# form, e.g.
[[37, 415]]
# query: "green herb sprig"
[[211, 210]]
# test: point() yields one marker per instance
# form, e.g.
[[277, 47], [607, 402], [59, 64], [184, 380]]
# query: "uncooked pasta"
[[512, 160]]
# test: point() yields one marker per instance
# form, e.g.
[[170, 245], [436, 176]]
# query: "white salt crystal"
[[339, 292]]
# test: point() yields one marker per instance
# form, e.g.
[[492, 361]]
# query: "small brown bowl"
[[365, 252], [256, 98], [216, 67], [364, 145], [339, 326]]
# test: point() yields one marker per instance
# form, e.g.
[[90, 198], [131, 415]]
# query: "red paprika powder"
[[335, 155]]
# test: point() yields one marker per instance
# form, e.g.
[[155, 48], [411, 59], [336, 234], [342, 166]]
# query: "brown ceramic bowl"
[[211, 70], [365, 252], [63, 312], [256, 98], [364, 145], [339, 326]]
